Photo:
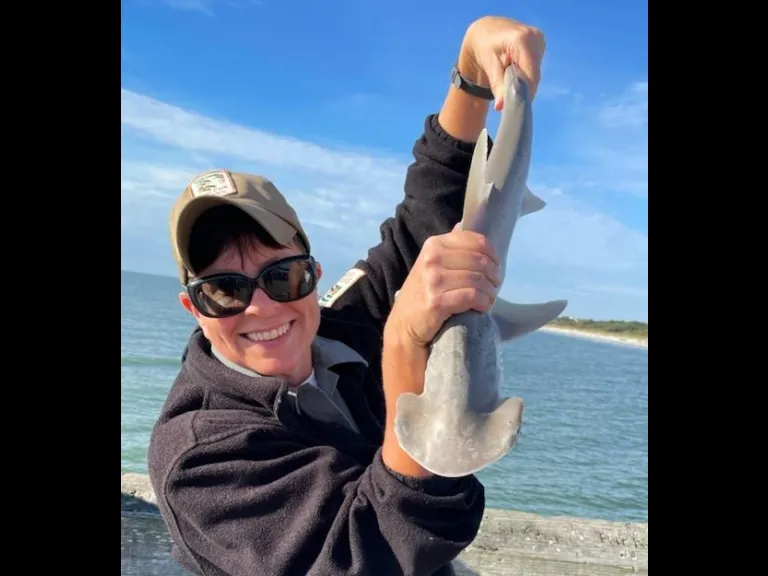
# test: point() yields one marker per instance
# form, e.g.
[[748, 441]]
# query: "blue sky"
[[327, 98]]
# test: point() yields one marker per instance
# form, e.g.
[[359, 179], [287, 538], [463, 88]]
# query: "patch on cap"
[[214, 183], [338, 289]]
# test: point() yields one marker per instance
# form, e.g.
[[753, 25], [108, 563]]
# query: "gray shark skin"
[[460, 424]]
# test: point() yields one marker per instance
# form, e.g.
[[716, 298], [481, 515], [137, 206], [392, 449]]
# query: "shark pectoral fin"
[[477, 189], [514, 320], [531, 202]]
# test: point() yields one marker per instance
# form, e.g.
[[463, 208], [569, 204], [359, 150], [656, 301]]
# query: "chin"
[[275, 366]]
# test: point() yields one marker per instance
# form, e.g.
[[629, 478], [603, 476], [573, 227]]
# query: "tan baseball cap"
[[254, 195]]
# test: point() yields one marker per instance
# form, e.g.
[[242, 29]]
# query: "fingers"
[[465, 261], [451, 292], [505, 42], [529, 57], [530, 72], [460, 273], [460, 259], [462, 240], [440, 281], [494, 69], [465, 299], [455, 272]]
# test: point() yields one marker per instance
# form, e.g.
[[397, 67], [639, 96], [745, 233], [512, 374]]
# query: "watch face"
[[455, 78]]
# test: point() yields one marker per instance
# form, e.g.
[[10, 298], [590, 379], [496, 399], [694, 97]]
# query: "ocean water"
[[584, 444]]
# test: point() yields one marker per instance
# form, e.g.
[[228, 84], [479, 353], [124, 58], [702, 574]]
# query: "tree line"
[[617, 327]]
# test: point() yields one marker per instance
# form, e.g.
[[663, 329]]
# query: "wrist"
[[468, 66], [404, 362], [403, 366], [464, 115]]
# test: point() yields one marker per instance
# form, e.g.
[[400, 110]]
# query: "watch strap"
[[469, 87]]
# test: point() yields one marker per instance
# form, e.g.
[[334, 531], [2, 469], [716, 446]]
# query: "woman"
[[274, 453]]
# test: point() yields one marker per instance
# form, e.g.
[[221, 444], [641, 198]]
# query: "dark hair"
[[226, 227]]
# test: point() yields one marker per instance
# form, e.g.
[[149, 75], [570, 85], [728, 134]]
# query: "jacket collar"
[[326, 354], [204, 365]]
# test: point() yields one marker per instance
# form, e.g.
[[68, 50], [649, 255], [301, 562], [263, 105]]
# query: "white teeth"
[[269, 334]]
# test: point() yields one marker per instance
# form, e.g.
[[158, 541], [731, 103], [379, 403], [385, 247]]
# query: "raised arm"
[[432, 204], [436, 180]]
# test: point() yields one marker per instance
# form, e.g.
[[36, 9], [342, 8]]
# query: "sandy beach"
[[599, 337]]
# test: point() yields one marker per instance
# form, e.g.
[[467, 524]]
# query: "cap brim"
[[276, 227]]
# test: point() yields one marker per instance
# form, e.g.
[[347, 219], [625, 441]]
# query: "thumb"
[[495, 72]]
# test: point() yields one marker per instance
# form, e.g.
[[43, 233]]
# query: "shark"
[[460, 423]]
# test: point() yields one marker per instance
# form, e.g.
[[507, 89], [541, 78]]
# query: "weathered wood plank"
[[509, 542]]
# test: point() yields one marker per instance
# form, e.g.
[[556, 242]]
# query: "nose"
[[261, 303]]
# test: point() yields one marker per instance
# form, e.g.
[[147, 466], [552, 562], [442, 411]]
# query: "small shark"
[[460, 424]]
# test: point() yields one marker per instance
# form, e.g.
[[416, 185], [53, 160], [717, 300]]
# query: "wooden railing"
[[509, 543]]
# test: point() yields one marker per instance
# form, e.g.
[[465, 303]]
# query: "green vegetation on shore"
[[634, 330]]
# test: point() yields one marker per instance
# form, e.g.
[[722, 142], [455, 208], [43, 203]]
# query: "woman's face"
[[269, 337]]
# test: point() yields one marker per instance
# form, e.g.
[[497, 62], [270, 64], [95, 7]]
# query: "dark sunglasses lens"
[[288, 281], [223, 296]]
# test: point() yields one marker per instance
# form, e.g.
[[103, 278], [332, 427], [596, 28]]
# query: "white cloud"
[[202, 6], [611, 143], [175, 127], [603, 147], [630, 110], [208, 7], [612, 289], [343, 195], [551, 91]]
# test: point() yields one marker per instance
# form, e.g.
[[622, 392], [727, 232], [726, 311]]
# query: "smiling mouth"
[[269, 335]]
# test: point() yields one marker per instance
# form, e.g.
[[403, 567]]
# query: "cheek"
[[219, 330], [309, 309]]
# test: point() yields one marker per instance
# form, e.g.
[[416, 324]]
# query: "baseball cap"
[[255, 195]]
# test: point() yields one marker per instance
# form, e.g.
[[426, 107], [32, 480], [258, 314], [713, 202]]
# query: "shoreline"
[[598, 336]]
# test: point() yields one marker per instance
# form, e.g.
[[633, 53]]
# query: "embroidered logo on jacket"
[[338, 289]]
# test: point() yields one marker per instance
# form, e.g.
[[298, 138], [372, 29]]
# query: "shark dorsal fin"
[[531, 202]]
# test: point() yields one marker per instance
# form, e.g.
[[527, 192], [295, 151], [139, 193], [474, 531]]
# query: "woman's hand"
[[454, 273], [491, 44]]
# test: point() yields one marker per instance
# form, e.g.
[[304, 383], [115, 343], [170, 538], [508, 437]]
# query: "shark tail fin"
[[514, 320]]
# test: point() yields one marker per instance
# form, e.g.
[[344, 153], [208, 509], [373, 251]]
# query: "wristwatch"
[[462, 83]]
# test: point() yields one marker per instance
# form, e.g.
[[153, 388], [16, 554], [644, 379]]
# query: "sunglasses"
[[229, 294]]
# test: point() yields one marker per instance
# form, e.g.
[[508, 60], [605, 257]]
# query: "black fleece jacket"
[[248, 486]]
